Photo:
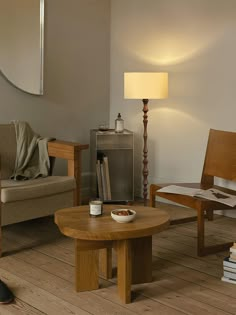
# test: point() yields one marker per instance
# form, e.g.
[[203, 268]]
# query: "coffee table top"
[[75, 222]]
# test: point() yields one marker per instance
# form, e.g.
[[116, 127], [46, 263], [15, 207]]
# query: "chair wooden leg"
[[208, 250], [203, 250], [200, 233], [0, 228], [152, 195], [210, 215], [0, 241], [183, 220]]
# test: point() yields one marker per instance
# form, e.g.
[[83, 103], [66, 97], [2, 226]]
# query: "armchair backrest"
[[220, 159], [7, 150]]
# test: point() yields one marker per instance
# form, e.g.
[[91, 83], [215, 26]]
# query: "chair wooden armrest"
[[70, 151], [65, 150]]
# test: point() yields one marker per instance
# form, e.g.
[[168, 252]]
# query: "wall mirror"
[[21, 43]]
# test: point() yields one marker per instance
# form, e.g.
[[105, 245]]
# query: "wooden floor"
[[38, 266]]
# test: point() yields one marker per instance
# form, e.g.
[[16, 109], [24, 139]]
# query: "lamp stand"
[[145, 151]]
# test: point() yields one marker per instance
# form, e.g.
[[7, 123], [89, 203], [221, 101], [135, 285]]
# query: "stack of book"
[[103, 177], [229, 265]]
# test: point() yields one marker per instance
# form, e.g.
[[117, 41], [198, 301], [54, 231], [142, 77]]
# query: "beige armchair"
[[34, 198]]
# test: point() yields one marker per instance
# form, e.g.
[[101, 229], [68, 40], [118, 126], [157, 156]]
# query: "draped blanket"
[[32, 158]]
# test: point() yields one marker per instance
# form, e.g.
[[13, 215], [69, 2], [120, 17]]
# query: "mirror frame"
[[39, 88], [41, 45]]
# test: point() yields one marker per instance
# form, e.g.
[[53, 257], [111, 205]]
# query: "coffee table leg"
[[124, 255], [86, 269], [141, 260]]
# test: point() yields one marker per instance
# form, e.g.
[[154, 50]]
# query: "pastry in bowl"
[[123, 215]]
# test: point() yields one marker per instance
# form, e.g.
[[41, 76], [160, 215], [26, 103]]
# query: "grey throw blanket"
[[32, 158]]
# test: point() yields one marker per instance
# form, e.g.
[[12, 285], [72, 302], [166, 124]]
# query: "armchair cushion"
[[35, 188]]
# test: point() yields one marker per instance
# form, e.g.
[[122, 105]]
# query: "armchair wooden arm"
[[70, 151]]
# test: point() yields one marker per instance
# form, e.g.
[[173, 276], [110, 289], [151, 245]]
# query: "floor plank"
[[38, 265]]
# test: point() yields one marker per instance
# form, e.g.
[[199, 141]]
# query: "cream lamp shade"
[[145, 85]]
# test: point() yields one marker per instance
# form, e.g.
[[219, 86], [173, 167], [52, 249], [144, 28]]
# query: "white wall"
[[76, 82], [195, 42]]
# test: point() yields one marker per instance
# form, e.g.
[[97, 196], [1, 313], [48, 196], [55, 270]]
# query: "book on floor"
[[230, 269], [107, 177], [228, 280], [99, 179], [104, 185], [230, 275], [101, 175], [233, 256], [232, 259], [229, 266], [229, 263], [233, 249]]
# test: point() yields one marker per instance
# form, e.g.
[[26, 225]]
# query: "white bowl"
[[123, 218]]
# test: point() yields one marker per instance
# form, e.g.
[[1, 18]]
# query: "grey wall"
[[195, 42], [76, 75]]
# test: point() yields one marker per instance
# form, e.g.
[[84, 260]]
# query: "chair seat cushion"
[[12, 190]]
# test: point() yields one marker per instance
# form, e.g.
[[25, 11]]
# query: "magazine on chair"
[[210, 194]]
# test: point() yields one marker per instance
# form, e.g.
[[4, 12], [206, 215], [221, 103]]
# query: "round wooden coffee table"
[[132, 242]]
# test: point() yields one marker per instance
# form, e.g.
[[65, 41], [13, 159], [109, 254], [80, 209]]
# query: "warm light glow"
[[145, 85]]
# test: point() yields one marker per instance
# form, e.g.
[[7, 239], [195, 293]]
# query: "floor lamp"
[[145, 86]]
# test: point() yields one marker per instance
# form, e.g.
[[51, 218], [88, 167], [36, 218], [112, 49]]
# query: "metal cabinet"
[[118, 148]]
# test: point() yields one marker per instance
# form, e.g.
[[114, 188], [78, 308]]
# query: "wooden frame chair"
[[53, 192], [220, 161]]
